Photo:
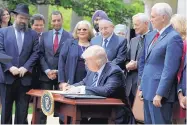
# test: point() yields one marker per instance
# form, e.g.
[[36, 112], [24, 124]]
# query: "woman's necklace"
[[83, 48]]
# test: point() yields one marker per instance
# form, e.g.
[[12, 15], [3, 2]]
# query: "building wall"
[[181, 7], [149, 3]]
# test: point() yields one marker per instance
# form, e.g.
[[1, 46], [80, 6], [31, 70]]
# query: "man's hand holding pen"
[[70, 89], [64, 86]]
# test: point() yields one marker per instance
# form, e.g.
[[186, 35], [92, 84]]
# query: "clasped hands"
[[70, 89], [52, 74], [18, 71], [132, 65]]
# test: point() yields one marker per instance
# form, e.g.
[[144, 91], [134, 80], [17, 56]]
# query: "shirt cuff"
[[180, 90], [82, 89], [46, 71]]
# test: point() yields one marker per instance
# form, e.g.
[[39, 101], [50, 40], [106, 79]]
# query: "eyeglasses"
[[82, 29]]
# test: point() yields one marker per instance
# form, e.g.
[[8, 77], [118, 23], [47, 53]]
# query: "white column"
[[149, 3], [44, 10], [147, 6], [75, 19], [181, 8]]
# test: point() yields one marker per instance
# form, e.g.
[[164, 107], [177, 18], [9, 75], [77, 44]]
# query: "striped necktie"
[[19, 41], [105, 43], [95, 78]]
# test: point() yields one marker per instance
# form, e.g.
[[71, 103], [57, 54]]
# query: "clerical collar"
[[142, 36]]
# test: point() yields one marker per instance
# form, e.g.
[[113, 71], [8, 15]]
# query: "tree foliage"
[[116, 9]]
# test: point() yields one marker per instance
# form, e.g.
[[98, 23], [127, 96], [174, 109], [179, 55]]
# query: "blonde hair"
[[90, 29], [179, 23]]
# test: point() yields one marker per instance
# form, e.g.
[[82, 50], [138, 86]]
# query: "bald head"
[[106, 27]]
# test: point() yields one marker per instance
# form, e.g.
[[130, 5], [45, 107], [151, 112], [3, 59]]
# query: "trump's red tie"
[[55, 44]]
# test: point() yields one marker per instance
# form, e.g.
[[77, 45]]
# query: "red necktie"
[[156, 37], [182, 62], [55, 44]]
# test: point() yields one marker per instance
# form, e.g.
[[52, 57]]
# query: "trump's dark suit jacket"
[[27, 58], [49, 59], [116, 49], [111, 84], [160, 64]]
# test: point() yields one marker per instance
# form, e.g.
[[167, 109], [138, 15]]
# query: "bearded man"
[[21, 43]]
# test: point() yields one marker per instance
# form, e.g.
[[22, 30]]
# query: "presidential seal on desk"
[[47, 103]]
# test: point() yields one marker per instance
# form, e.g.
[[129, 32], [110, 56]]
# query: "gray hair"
[[37, 17], [142, 17], [163, 9], [98, 52], [57, 13], [106, 21], [90, 29]]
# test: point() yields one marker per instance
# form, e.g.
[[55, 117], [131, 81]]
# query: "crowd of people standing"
[[98, 61]]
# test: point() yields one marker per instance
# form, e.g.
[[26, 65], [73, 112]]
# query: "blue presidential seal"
[[47, 103]]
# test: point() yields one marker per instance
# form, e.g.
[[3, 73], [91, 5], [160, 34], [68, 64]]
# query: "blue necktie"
[[94, 82], [105, 43], [19, 41]]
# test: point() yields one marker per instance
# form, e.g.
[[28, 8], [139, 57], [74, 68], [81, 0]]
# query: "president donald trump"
[[103, 79], [159, 64]]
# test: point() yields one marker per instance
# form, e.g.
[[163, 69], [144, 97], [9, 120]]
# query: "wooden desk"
[[77, 108]]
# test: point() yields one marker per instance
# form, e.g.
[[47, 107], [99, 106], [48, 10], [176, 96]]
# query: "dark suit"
[[116, 49], [111, 83], [36, 71], [14, 88], [134, 52], [160, 66], [49, 60], [68, 60]]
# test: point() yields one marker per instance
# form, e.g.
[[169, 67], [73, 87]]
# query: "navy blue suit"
[[14, 88], [49, 60], [159, 65], [68, 60], [112, 84], [116, 49]]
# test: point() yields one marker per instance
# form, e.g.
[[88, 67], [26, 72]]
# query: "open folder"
[[76, 96], [5, 58], [83, 96]]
